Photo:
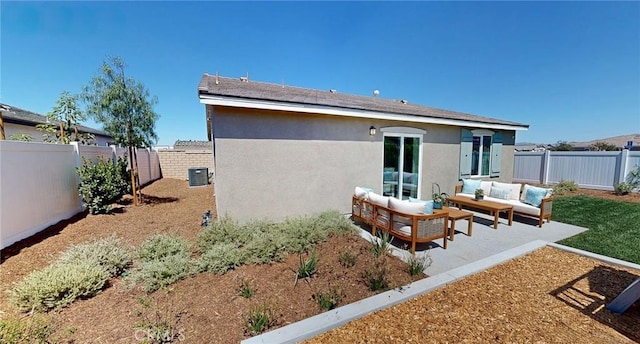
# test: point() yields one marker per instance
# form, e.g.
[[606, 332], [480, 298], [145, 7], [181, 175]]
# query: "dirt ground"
[[205, 308], [547, 296]]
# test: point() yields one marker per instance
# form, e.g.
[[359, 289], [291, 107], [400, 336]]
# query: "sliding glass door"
[[401, 170]]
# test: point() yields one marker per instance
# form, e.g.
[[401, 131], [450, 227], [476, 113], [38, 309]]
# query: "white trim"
[[402, 135], [329, 110], [403, 130], [482, 132]]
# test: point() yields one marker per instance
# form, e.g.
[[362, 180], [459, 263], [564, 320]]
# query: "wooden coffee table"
[[457, 214], [494, 208]]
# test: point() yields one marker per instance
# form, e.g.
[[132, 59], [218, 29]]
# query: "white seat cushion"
[[406, 206], [379, 199]]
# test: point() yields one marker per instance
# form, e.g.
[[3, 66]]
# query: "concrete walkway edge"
[[326, 321]]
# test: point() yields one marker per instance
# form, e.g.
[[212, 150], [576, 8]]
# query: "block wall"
[[176, 163]]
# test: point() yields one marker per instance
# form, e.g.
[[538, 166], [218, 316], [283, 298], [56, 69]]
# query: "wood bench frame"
[[424, 228], [546, 208]]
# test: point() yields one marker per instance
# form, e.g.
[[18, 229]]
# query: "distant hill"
[[618, 141]]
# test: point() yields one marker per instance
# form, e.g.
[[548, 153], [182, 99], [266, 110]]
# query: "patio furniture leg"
[[470, 225], [510, 216], [495, 219], [452, 230]]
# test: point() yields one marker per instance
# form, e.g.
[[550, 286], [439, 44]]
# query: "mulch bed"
[[548, 296], [205, 308]]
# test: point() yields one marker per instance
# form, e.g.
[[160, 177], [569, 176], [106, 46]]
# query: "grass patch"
[[613, 225]]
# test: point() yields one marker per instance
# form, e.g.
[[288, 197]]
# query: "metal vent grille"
[[198, 176]]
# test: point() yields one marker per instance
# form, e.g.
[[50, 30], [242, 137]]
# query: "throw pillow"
[[379, 199], [405, 207], [361, 192], [428, 205], [469, 186], [535, 195], [500, 193], [515, 189]]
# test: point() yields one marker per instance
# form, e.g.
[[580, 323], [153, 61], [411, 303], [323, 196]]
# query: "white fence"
[[39, 183], [591, 170]]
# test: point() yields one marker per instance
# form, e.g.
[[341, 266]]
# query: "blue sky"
[[571, 70]]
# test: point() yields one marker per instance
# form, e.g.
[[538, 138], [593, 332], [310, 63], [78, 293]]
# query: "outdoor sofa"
[[409, 221], [526, 199]]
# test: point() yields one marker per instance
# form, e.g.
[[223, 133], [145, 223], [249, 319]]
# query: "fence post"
[[78, 163], [545, 167], [114, 154], [624, 165], [149, 164]]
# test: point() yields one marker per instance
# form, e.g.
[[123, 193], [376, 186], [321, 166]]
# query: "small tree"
[[125, 109], [602, 146], [24, 137], [63, 120], [561, 146]]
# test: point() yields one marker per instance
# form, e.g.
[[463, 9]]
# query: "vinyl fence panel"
[[591, 170], [39, 187], [39, 183]]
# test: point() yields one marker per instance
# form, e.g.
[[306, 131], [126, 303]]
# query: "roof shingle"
[[231, 87]]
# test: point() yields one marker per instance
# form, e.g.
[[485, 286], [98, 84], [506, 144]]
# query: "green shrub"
[[565, 186], [245, 289], [334, 221], [58, 285], [381, 245], [300, 233], [165, 260], [632, 181], [103, 183], [330, 299], [223, 230], [266, 244], [259, 319], [306, 267], [347, 259], [110, 253], [159, 273], [162, 245], [220, 258], [35, 328], [417, 265], [376, 276]]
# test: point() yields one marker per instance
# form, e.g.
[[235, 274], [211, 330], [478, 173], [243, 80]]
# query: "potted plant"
[[438, 200], [479, 194]]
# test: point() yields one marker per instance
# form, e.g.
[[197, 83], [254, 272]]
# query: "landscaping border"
[[326, 321]]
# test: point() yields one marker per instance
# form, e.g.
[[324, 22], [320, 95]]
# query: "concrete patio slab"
[[486, 241]]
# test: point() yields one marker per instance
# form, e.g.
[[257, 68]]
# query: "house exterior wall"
[[275, 164], [175, 163], [12, 128]]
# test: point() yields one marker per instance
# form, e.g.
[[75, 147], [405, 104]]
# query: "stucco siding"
[[272, 164]]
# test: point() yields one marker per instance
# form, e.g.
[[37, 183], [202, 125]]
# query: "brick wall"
[[176, 163]]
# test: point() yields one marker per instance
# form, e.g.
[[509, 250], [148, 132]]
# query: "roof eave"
[[218, 100]]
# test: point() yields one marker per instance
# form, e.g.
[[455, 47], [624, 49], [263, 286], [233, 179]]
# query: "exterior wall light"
[[372, 131]]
